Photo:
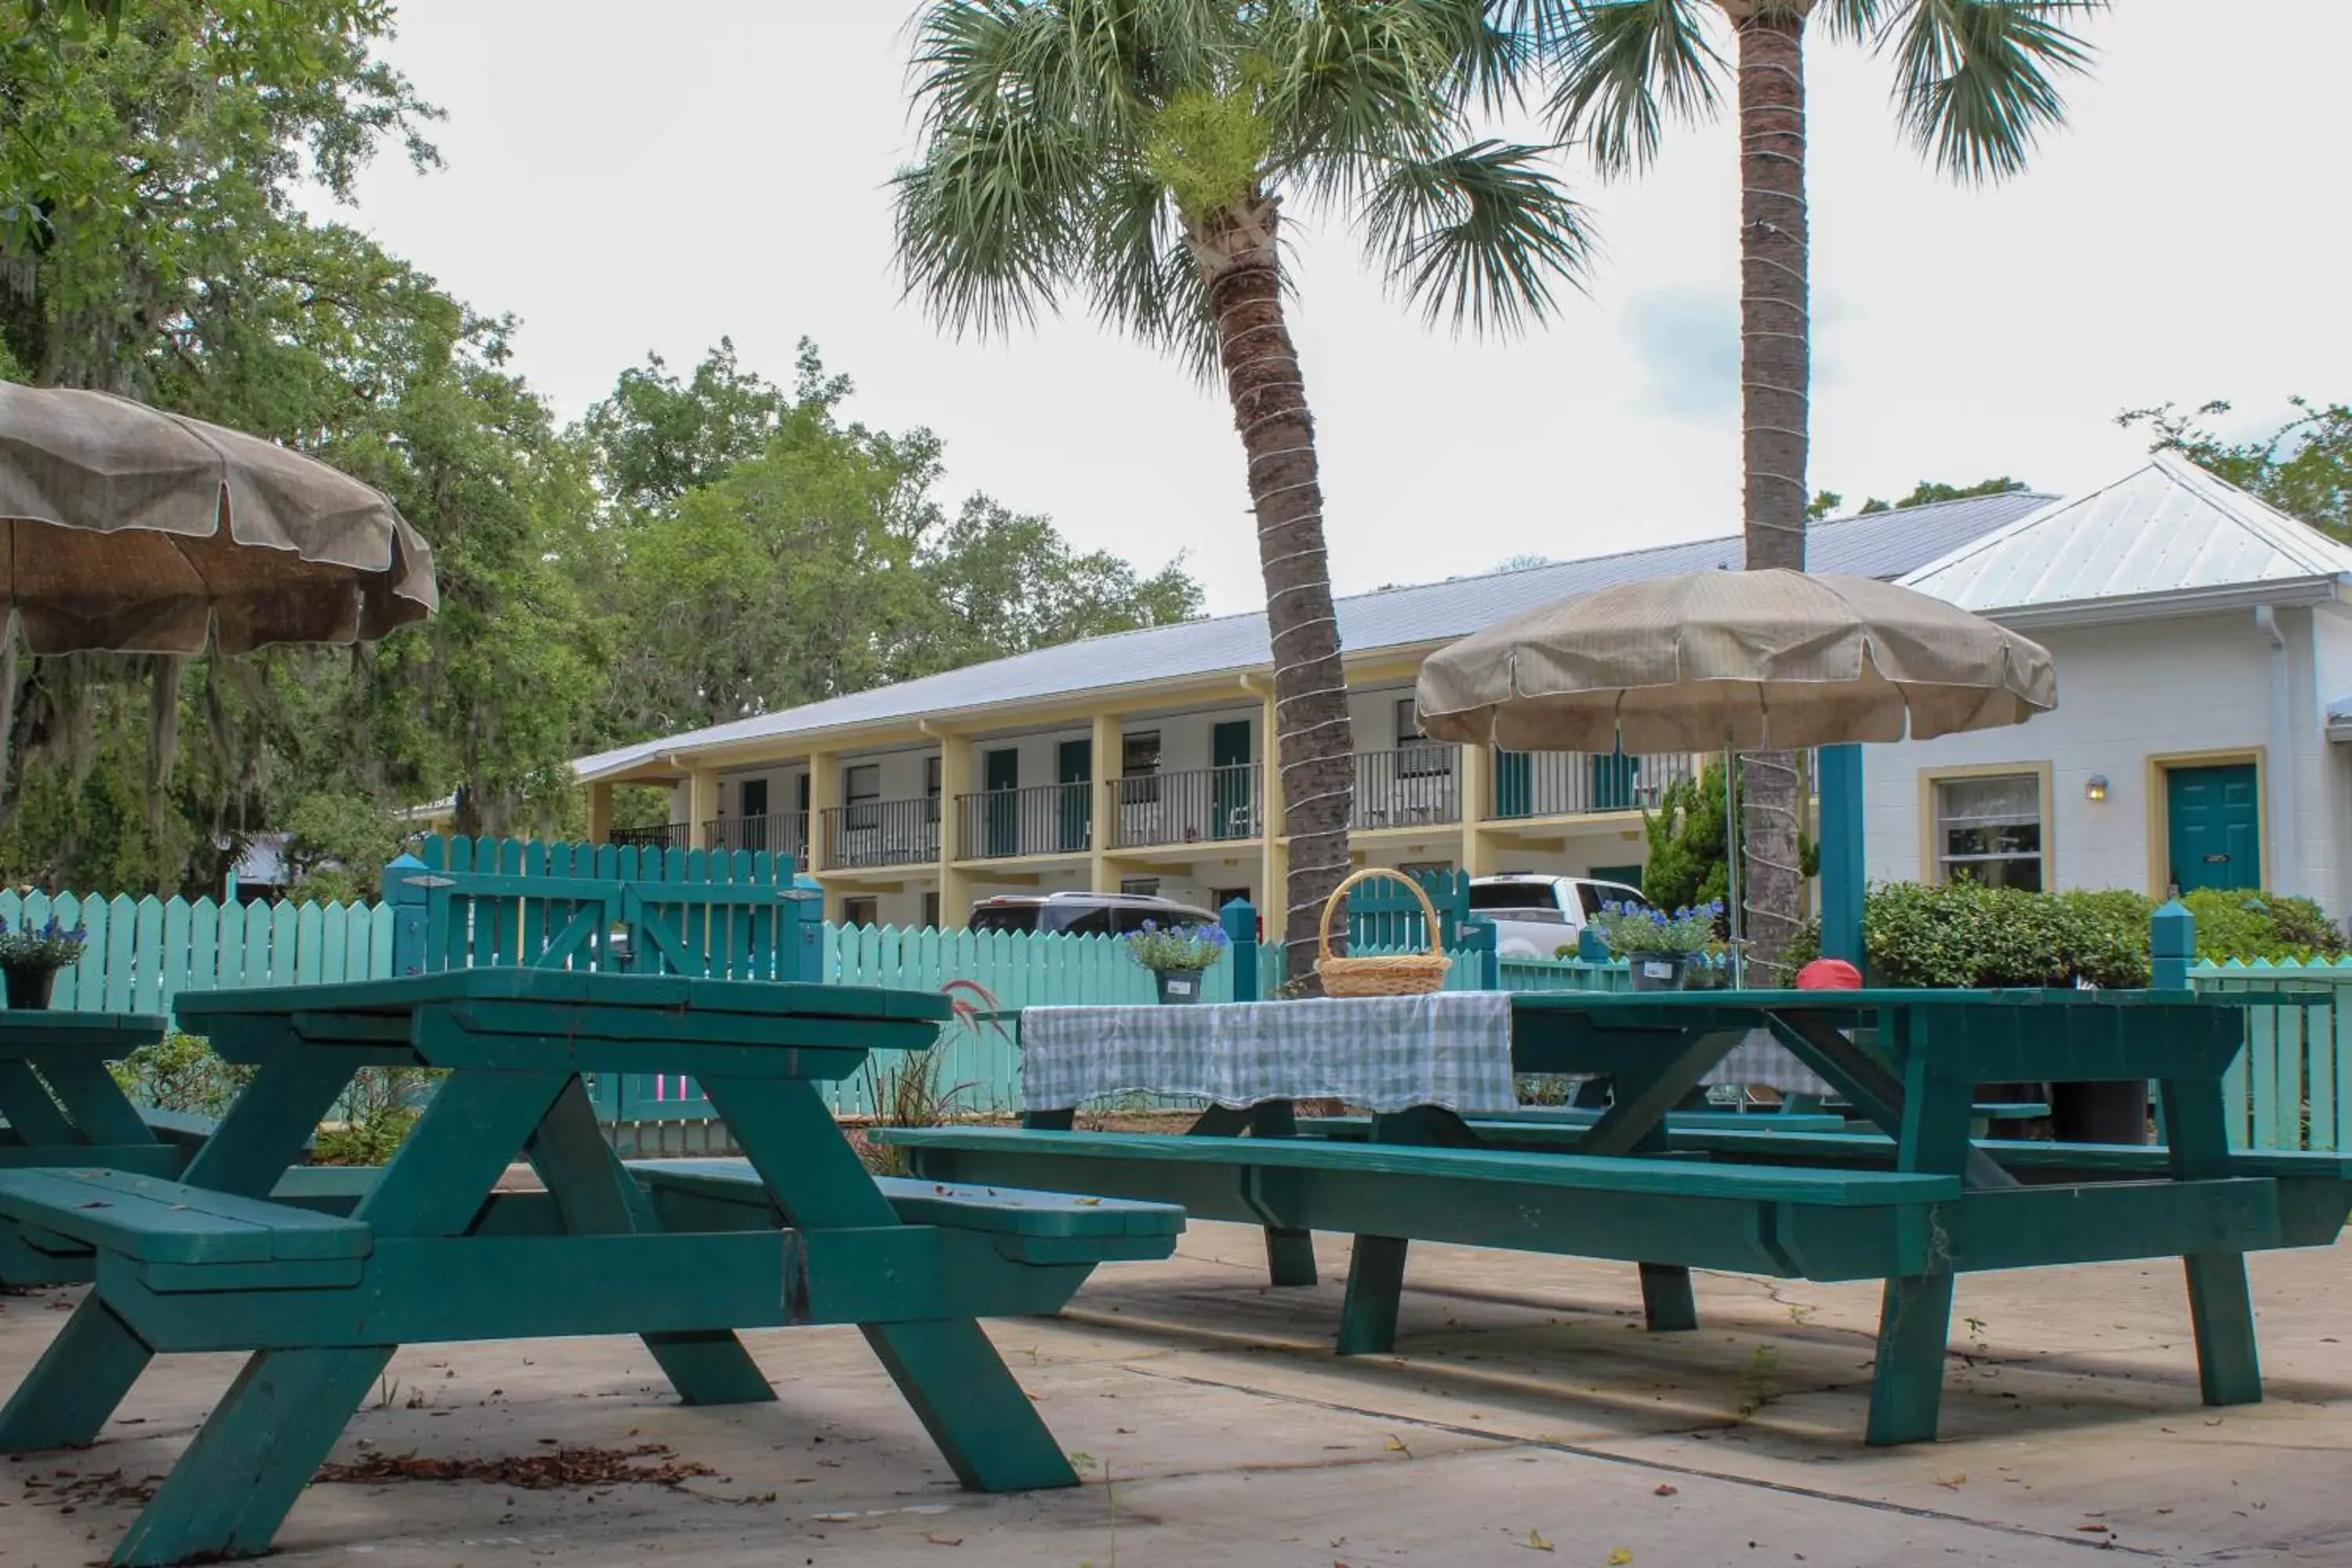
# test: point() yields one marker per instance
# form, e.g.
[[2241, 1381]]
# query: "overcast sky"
[[629, 179]]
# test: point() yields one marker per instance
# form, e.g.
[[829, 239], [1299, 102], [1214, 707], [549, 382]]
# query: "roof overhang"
[[2171, 604]]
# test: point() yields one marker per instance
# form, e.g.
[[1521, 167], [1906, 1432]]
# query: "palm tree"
[[1975, 84], [1138, 155]]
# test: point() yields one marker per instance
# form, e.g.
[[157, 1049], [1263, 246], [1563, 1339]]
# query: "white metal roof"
[[2166, 538], [1883, 544]]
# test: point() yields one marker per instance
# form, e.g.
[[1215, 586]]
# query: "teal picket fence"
[[2291, 1088], [143, 952]]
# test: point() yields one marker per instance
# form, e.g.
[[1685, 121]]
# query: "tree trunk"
[[1775, 373], [1314, 743]]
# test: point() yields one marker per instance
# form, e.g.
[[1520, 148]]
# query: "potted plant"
[[1177, 955], [1658, 946], [30, 958]]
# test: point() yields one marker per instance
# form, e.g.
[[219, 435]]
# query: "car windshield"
[[1004, 917], [1530, 900]]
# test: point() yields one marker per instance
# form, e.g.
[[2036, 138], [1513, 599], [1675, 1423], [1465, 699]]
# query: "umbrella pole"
[[1731, 860]]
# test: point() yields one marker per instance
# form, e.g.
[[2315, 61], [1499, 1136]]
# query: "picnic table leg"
[[24, 1102], [1637, 1125], [2221, 1308], [597, 1197], [97, 1104], [1289, 1254], [261, 1446], [1367, 1317], [948, 1372], [65, 1401], [1906, 1391]]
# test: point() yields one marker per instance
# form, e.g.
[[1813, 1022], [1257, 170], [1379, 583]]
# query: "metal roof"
[[1883, 544], [2168, 534]]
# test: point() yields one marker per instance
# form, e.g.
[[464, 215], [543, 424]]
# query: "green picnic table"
[[1633, 1186], [61, 1105], [429, 1251]]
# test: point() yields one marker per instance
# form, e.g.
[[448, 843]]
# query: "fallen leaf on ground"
[[1535, 1542], [1396, 1446], [2094, 1528], [1663, 1489], [1954, 1482], [1619, 1558], [936, 1539], [534, 1472]]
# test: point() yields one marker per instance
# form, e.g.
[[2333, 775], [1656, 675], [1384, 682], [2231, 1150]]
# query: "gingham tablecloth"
[[1384, 1053], [1759, 1059]]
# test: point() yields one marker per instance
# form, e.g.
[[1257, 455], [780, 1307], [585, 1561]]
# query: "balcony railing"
[[1042, 819], [779, 833], [670, 835], [1572, 783], [1412, 786], [1195, 806], [882, 833]]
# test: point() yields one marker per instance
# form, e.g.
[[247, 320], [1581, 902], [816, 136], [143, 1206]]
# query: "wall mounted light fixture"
[[2097, 789]]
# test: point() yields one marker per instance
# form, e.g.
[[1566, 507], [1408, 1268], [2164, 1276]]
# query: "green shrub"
[[181, 1073], [2249, 925]]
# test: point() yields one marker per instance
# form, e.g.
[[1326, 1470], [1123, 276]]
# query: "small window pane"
[[863, 782], [1989, 830]]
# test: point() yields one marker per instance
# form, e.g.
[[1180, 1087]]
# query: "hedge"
[[1966, 934]]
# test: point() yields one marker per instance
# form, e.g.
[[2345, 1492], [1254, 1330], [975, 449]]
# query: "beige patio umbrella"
[[127, 529], [1736, 661], [1733, 661]]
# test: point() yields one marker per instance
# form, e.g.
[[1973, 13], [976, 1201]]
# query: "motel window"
[[1138, 767], [861, 789], [932, 795], [1418, 757], [865, 911], [930, 908], [1989, 830]]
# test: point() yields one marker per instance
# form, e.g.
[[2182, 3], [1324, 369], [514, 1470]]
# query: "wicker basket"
[[1384, 974]]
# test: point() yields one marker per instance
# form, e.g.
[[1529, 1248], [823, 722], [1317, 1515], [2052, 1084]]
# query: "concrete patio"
[[1529, 1420]]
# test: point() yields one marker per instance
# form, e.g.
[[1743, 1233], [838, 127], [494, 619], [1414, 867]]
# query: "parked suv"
[[1082, 914], [1535, 916]]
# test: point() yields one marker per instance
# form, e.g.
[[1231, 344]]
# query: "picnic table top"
[[25, 1031], [663, 993]]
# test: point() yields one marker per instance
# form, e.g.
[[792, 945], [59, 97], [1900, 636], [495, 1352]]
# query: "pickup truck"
[[1534, 915]]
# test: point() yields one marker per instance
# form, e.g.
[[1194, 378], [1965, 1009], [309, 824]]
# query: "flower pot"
[[1657, 971], [28, 989], [1178, 985]]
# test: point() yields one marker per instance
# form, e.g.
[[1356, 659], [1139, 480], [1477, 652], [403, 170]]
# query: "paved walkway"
[[1526, 1421]]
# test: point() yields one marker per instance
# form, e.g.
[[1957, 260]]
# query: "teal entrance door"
[[1515, 784], [1074, 769], [2216, 816], [1229, 755], [1001, 777]]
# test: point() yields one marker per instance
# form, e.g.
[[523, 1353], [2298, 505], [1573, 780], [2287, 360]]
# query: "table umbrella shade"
[[1740, 661], [127, 529]]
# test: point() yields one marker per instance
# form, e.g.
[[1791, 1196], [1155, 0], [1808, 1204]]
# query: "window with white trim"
[[1418, 757], [1989, 830]]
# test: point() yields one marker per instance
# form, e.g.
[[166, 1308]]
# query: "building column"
[[1104, 818], [1478, 799], [600, 812], [824, 794], [702, 804], [1274, 863], [955, 781]]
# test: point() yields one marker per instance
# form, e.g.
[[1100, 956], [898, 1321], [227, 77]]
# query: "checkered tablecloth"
[[1759, 1059], [1385, 1052]]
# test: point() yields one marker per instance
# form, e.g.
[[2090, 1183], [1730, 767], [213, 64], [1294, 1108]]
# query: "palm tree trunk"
[[1775, 375], [1314, 743]]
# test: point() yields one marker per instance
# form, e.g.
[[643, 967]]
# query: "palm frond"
[[1625, 65], [1852, 21], [1976, 80], [1140, 272], [1480, 235], [1348, 83], [984, 223]]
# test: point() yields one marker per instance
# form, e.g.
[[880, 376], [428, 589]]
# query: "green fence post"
[[406, 895], [805, 947], [1591, 947], [1478, 938], [1240, 920], [1842, 879], [2172, 946]]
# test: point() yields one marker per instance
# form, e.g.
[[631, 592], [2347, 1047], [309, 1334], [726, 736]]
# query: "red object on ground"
[[1829, 974]]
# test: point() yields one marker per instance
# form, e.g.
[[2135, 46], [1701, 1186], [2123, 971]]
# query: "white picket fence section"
[[142, 953]]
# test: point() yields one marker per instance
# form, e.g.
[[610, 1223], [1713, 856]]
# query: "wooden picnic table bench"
[[1989, 1207], [321, 1275]]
